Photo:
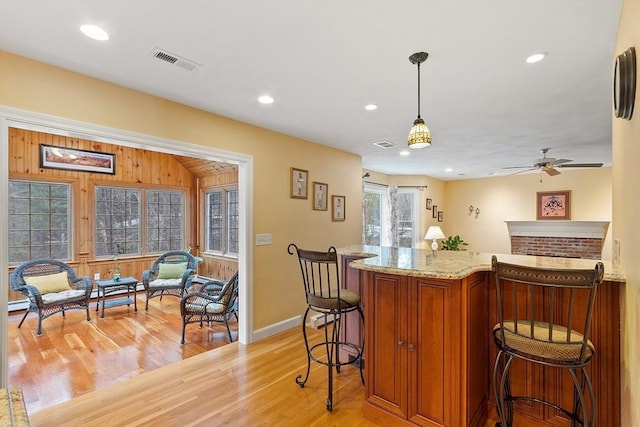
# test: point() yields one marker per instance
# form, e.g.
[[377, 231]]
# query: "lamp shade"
[[419, 135], [434, 232]]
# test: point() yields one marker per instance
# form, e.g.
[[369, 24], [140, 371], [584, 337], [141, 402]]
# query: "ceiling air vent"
[[384, 144], [174, 59]]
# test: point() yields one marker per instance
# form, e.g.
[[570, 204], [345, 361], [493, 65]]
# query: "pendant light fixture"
[[419, 136]]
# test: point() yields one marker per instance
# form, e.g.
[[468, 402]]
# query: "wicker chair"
[[44, 283], [216, 302], [544, 317], [321, 282], [170, 274]]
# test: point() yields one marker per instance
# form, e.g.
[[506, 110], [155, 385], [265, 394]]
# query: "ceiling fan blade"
[[516, 173], [551, 171], [555, 162], [582, 165], [517, 167]]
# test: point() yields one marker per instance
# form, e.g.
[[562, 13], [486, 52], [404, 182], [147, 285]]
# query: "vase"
[[116, 272]]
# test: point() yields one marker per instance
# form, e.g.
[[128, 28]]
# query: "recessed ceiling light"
[[536, 57], [404, 153], [265, 99], [370, 107], [448, 170], [94, 32]]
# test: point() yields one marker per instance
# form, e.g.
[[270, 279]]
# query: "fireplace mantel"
[[555, 228]]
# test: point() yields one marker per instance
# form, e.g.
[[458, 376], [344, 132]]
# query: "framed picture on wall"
[[435, 211], [53, 157], [338, 208], [553, 205], [299, 183], [320, 196], [440, 216], [428, 204]]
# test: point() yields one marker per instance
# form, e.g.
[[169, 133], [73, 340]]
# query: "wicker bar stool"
[[321, 282], [545, 318]]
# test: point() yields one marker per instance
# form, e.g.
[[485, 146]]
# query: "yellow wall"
[[513, 198], [626, 215], [278, 295]]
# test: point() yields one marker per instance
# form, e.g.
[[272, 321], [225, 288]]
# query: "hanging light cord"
[[418, 89]]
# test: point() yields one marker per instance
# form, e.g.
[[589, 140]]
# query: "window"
[[39, 221], [117, 221], [377, 230], [222, 219], [375, 206], [407, 209], [165, 221]]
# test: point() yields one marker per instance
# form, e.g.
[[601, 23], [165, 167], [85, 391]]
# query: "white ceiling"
[[324, 60]]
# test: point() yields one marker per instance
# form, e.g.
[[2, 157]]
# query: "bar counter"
[[429, 351], [456, 264]]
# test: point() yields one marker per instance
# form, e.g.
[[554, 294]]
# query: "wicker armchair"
[[216, 302], [51, 287], [170, 274]]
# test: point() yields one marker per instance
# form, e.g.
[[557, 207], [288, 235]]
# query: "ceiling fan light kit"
[[419, 135], [624, 84]]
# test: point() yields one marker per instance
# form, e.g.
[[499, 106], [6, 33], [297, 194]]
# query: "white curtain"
[[393, 216]]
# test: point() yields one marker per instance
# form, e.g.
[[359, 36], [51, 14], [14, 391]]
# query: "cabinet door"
[[386, 342], [434, 352]]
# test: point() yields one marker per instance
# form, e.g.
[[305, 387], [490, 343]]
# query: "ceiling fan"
[[549, 164]]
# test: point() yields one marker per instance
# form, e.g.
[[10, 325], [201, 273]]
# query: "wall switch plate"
[[263, 239], [616, 251], [96, 276]]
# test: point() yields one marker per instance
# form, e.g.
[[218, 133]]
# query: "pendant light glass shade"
[[419, 135]]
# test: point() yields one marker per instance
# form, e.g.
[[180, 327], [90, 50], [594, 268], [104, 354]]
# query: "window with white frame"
[[375, 215], [222, 221], [39, 221], [376, 208], [407, 217]]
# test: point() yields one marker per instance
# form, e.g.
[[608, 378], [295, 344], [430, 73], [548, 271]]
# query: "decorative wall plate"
[[624, 84]]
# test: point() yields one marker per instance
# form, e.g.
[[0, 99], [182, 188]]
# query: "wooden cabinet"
[[426, 350]]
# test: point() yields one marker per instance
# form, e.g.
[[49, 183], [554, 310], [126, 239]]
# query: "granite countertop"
[[456, 265]]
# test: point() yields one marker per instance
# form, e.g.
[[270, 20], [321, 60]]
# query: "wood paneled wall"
[[133, 168]]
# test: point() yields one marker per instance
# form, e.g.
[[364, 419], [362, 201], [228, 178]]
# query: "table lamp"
[[434, 233]]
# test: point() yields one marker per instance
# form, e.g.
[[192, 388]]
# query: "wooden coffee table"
[[110, 286]]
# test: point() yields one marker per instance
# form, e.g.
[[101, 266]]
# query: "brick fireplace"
[[569, 239]]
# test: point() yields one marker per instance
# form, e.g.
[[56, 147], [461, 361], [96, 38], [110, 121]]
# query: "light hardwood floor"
[[130, 369]]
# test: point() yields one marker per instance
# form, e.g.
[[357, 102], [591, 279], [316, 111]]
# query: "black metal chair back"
[[544, 317], [321, 279]]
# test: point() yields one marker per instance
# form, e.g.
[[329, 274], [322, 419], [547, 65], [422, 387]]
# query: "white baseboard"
[[276, 328], [317, 320]]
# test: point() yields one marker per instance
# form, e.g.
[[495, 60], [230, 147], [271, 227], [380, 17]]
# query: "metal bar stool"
[[538, 310], [321, 282]]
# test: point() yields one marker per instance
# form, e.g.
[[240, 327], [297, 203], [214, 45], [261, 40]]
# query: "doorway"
[[44, 123]]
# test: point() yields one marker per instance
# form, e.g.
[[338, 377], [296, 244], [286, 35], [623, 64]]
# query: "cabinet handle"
[[412, 347], [400, 343]]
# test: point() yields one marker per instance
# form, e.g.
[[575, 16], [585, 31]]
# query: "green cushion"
[[49, 283], [171, 271]]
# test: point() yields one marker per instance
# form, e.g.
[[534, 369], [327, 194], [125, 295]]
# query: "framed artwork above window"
[[53, 157]]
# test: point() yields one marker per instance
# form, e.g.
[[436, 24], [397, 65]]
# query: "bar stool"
[[537, 311], [321, 282]]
